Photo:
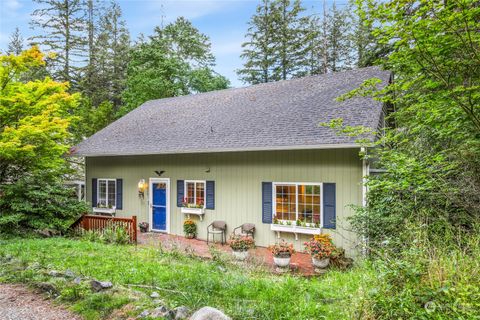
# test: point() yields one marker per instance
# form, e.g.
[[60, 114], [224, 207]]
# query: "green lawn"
[[241, 292]]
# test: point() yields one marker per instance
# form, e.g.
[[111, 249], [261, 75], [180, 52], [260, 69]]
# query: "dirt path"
[[19, 303]]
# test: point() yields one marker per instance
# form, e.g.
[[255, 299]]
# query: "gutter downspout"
[[365, 174]]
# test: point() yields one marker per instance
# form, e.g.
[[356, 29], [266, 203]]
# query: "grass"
[[242, 293]]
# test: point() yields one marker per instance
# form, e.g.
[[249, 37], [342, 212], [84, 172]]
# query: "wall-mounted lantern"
[[142, 187]]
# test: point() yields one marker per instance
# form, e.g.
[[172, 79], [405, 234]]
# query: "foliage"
[[34, 120], [62, 23], [282, 249], [33, 203], [425, 280], [320, 246], [189, 227], [111, 234], [177, 60], [195, 282], [241, 243]]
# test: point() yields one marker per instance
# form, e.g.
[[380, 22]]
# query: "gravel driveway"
[[19, 303]]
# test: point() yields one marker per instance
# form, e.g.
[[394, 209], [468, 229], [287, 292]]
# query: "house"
[[246, 155]]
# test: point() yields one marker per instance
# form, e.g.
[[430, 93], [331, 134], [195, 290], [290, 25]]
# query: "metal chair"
[[217, 227], [246, 229]]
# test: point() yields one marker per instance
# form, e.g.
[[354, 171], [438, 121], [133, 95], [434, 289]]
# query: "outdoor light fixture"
[[142, 187]]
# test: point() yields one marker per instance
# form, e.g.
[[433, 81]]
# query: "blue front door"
[[159, 206]]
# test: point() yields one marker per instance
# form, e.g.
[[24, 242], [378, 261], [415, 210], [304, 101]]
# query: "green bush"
[[112, 234], [425, 280], [34, 203]]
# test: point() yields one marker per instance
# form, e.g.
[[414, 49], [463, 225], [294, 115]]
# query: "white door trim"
[[150, 202]]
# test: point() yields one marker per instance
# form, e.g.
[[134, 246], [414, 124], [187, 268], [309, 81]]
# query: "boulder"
[[144, 314], [209, 313], [77, 280], [100, 285], [159, 312], [154, 295], [69, 274], [55, 273], [181, 313]]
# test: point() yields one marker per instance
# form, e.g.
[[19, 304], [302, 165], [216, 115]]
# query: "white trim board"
[[150, 202]]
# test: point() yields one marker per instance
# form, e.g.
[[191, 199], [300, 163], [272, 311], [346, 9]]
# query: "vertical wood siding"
[[238, 180]]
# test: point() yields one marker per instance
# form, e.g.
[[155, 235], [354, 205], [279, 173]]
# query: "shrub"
[[189, 228], [33, 203], [282, 249], [320, 246], [241, 243]]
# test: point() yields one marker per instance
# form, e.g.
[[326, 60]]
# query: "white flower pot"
[[320, 263], [281, 262], [240, 255]]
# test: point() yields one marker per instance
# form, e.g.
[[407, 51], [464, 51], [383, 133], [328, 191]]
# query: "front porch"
[[300, 264]]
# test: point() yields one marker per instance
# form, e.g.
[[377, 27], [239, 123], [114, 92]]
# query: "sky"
[[225, 22]]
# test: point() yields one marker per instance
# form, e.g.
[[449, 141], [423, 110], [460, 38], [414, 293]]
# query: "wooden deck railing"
[[99, 223]]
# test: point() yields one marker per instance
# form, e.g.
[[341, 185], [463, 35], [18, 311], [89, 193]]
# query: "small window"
[[298, 203], [107, 193], [194, 193]]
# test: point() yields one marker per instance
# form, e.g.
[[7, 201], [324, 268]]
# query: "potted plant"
[[240, 245], [189, 228], [282, 253], [321, 249], [143, 226]]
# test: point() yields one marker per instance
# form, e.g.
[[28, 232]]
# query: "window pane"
[[112, 193], [200, 193], [191, 192], [286, 202], [309, 211], [102, 193]]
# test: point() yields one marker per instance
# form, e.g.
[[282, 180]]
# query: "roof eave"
[[220, 150]]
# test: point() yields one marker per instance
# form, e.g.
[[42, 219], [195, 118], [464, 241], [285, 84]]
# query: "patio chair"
[[217, 227], [246, 229]]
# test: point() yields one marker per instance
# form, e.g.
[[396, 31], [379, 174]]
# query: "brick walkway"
[[300, 264]]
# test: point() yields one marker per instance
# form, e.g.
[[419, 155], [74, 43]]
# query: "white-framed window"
[[298, 203], [195, 192], [107, 193]]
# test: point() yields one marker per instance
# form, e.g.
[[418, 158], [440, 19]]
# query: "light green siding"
[[238, 178]]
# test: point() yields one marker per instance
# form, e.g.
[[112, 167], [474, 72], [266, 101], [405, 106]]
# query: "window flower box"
[[196, 211], [278, 228], [110, 211]]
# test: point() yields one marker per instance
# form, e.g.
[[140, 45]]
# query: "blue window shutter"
[[267, 214], [119, 194], [329, 215], [180, 192], [94, 192], [210, 201]]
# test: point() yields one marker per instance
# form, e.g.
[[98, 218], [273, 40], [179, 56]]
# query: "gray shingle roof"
[[280, 115]]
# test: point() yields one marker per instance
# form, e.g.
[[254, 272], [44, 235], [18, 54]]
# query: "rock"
[[159, 312], [158, 302], [69, 274], [54, 273], [144, 314], [209, 313], [77, 280], [181, 312], [47, 287], [100, 285], [154, 295]]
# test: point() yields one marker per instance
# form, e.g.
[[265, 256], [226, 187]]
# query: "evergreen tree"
[[275, 49], [63, 24], [339, 36], [109, 58], [288, 38], [258, 51], [15, 46]]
